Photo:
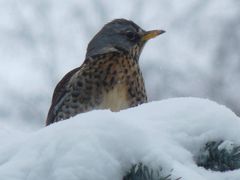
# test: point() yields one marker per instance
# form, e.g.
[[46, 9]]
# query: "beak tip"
[[152, 34], [161, 31]]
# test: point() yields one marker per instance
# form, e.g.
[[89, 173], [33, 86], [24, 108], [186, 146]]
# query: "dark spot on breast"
[[74, 100], [89, 88], [74, 106], [88, 81], [95, 70], [138, 99], [94, 63], [109, 66], [67, 99], [75, 93], [86, 98], [138, 84], [97, 84], [96, 76], [67, 112], [84, 73], [134, 73], [130, 92], [79, 83], [104, 83], [112, 80], [60, 117]]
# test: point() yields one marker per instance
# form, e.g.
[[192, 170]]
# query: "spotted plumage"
[[109, 78]]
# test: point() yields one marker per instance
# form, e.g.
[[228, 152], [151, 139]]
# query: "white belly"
[[115, 99]]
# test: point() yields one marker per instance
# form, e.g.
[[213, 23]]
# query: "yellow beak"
[[151, 34]]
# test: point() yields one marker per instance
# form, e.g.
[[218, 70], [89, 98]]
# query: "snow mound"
[[103, 145]]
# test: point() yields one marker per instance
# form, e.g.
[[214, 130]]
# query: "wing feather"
[[58, 94]]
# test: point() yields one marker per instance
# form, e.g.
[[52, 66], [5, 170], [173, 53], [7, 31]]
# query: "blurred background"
[[41, 40]]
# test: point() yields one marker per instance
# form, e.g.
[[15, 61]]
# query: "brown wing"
[[59, 92]]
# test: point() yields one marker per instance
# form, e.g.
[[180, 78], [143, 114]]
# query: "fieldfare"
[[109, 78]]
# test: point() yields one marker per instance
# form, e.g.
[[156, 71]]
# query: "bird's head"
[[120, 35]]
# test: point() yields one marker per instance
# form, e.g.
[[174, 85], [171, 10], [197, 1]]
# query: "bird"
[[110, 76]]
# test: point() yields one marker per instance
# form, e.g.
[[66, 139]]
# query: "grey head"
[[120, 35]]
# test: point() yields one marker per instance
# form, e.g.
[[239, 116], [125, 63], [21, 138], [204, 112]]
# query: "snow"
[[104, 145], [227, 145]]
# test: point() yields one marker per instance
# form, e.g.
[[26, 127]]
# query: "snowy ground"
[[104, 145]]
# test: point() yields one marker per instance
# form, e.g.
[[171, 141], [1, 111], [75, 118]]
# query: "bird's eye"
[[131, 36]]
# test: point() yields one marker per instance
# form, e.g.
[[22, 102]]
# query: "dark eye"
[[132, 36]]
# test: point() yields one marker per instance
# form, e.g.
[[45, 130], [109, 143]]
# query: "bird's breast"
[[115, 99]]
